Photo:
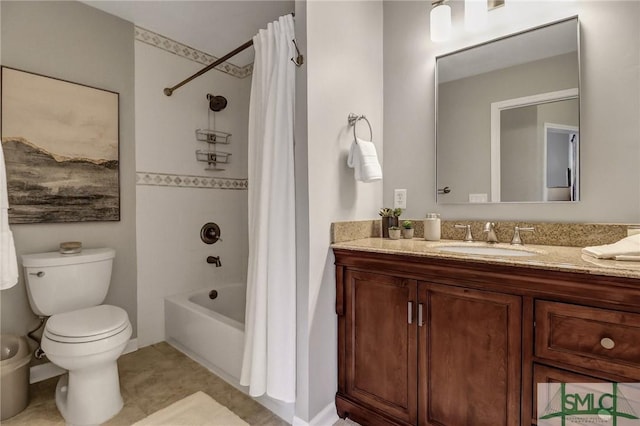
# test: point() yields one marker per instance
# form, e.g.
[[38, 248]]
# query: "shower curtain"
[[269, 361]]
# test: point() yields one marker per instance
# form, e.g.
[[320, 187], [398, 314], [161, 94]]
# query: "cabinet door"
[[469, 357], [543, 374], [381, 343]]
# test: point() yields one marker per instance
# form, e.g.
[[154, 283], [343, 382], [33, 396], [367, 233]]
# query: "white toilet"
[[81, 335]]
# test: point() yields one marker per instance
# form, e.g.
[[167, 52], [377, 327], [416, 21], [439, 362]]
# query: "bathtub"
[[209, 331]]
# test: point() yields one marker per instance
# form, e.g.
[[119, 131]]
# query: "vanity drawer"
[[543, 374], [597, 339]]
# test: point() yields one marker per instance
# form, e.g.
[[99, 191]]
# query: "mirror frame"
[[446, 190]]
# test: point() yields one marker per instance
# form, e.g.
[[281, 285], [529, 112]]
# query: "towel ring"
[[353, 119]]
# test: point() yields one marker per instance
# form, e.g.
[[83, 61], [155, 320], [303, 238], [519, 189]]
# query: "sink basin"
[[487, 250]]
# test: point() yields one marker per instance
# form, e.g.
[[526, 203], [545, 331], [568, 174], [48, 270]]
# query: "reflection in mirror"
[[507, 119]]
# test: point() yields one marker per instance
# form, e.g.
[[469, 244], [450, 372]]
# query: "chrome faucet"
[[215, 260], [468, 237], [516, 240], [490, 230]]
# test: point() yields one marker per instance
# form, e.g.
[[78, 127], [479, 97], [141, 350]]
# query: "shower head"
[[216, 103]]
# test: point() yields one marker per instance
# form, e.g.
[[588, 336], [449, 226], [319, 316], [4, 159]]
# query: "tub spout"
[[215, 260]]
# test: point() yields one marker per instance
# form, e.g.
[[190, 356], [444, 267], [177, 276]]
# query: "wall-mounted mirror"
[[507, 119]]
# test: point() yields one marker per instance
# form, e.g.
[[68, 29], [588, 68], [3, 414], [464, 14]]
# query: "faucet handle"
[[516, 240], [468, 237]]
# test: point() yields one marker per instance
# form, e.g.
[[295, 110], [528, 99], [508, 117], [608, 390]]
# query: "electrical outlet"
[[400, 199]]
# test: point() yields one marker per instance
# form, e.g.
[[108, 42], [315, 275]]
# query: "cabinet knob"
[[607, 343]]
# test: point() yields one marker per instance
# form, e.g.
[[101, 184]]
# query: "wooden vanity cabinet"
[[469, 357], [442, 342], [379, 350]]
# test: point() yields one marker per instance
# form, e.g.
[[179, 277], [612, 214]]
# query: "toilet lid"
[[89, 324]]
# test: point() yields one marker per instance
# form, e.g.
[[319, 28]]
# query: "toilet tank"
[[59, 283]]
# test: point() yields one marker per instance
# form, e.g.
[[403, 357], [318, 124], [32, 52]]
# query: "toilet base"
[[90, 396]]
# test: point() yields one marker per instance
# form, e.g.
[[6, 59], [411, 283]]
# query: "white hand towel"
[[8, 260], [363, 158], [629, 246]]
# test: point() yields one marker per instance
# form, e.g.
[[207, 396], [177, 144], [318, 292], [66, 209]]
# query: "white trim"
[[496, 108], [575, 171], [327, 416], [41, 372]]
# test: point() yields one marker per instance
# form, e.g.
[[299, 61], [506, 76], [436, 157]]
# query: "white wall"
[[344, 75], [172, 258], [610, 106]]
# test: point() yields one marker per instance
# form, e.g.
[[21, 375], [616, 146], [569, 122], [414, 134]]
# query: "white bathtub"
[[210, 331]]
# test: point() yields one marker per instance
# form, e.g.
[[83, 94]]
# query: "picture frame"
[[61, 147]]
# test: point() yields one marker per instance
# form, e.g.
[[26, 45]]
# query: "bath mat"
[[198, 409]]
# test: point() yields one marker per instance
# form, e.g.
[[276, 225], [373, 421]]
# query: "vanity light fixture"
[[440, 21]]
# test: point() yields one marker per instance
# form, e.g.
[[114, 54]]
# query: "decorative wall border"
[[190, 181], [184, 51]]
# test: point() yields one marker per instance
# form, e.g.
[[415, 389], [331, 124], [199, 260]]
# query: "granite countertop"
[[567, 259]]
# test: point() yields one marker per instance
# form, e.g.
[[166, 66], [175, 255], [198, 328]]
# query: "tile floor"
[[150, 379]]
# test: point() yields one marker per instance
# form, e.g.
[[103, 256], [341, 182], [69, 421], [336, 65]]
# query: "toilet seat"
[[87, 325]]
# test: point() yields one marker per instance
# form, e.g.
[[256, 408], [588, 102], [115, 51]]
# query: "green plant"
[[407, 224], [394, 228], [387, 212]]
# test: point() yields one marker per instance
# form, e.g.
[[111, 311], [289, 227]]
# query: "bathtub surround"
[[175, 195], [189, 181], [187, 52], [269, 360], [35, 37]]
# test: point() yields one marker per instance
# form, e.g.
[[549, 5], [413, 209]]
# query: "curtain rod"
[[169, 90]]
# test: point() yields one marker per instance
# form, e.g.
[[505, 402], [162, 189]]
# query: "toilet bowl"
[[80, 335], [87, 343]]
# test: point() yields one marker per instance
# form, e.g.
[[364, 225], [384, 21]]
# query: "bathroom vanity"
[[428, 337]]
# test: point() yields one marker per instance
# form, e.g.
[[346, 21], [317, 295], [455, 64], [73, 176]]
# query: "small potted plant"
[[407, 229], [394, 232], [389, 218]]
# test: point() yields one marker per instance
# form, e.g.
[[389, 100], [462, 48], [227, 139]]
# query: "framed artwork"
[[61, 149]]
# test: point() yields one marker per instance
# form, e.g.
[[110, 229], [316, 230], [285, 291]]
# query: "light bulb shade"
[[475, 15], [440, 23]]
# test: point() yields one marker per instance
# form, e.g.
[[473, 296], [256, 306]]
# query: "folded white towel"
[[629, 246], [628, 258], [8, 260], [363, 158]]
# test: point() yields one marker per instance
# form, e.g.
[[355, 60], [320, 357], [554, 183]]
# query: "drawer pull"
[[607, 343], [410, 312]]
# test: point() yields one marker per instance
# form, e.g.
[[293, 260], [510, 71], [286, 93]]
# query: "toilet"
[[81, 335]]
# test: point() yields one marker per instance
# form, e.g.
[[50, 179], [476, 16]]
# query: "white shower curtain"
[[269, 362]]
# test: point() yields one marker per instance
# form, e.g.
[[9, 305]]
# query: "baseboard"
[[41, 372], [327, 416]]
